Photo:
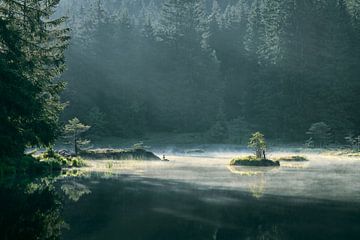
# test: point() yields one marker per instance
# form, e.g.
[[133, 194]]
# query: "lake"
[[201, 197]]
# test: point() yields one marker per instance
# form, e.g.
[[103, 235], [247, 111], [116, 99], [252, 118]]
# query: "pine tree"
[[32, 57], [73, 130]]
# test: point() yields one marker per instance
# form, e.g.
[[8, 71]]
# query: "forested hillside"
[[224, 68]]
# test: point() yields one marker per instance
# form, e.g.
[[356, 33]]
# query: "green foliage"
[[28, 165], [353, 141], [45, 163], [77, 162], [320, 134], [32, 45], [257, 143], [52, 158], [73, 129], [245, 158]]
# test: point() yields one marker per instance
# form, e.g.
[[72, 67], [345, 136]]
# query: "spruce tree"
[[32, 45]]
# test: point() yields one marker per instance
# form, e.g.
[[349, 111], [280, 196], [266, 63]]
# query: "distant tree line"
[[224, 68]]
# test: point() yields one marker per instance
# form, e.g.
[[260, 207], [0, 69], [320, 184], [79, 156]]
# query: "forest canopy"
[[192, 66]]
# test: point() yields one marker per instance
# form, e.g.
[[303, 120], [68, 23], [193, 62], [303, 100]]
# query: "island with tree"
[[258, 144]]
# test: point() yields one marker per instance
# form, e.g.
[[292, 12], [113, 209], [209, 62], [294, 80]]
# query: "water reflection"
[[83, 205], [74, 191], [257, 189], [256, 177], [251, 171], [134, 207], [30, 210]]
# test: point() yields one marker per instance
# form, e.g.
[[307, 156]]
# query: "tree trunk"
[[75, 146], [258, 154]]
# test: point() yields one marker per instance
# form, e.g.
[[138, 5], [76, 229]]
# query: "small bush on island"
[[293, 159]]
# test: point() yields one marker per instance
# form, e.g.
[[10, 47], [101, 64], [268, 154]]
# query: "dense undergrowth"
[[47, 162]]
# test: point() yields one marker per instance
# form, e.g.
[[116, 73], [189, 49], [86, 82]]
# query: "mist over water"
[[322, 177], [140, 119], [202, 197]]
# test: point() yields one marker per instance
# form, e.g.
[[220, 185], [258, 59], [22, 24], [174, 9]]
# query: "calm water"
[[192, 198]]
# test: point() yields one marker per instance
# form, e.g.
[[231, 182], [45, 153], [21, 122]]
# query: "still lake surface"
[[201, 197]]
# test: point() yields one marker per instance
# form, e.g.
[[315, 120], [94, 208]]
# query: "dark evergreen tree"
[[32, 45]]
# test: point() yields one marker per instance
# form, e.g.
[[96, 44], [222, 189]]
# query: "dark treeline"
[[224, 68]]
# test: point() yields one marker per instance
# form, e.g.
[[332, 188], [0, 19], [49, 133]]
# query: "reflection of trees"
[[257, 189], [31, 211], [257, 176], [269, 233], [74, 191]]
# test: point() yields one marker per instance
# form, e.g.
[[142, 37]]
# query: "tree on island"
[[73, 130], [257, 143]]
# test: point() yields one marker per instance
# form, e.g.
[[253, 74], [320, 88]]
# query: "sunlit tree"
[[258, 144], [73, 131]]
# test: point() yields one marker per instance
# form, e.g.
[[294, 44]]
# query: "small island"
[[73, 130], [293, 159], [253, 162], [119, 154], [257, 142]]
